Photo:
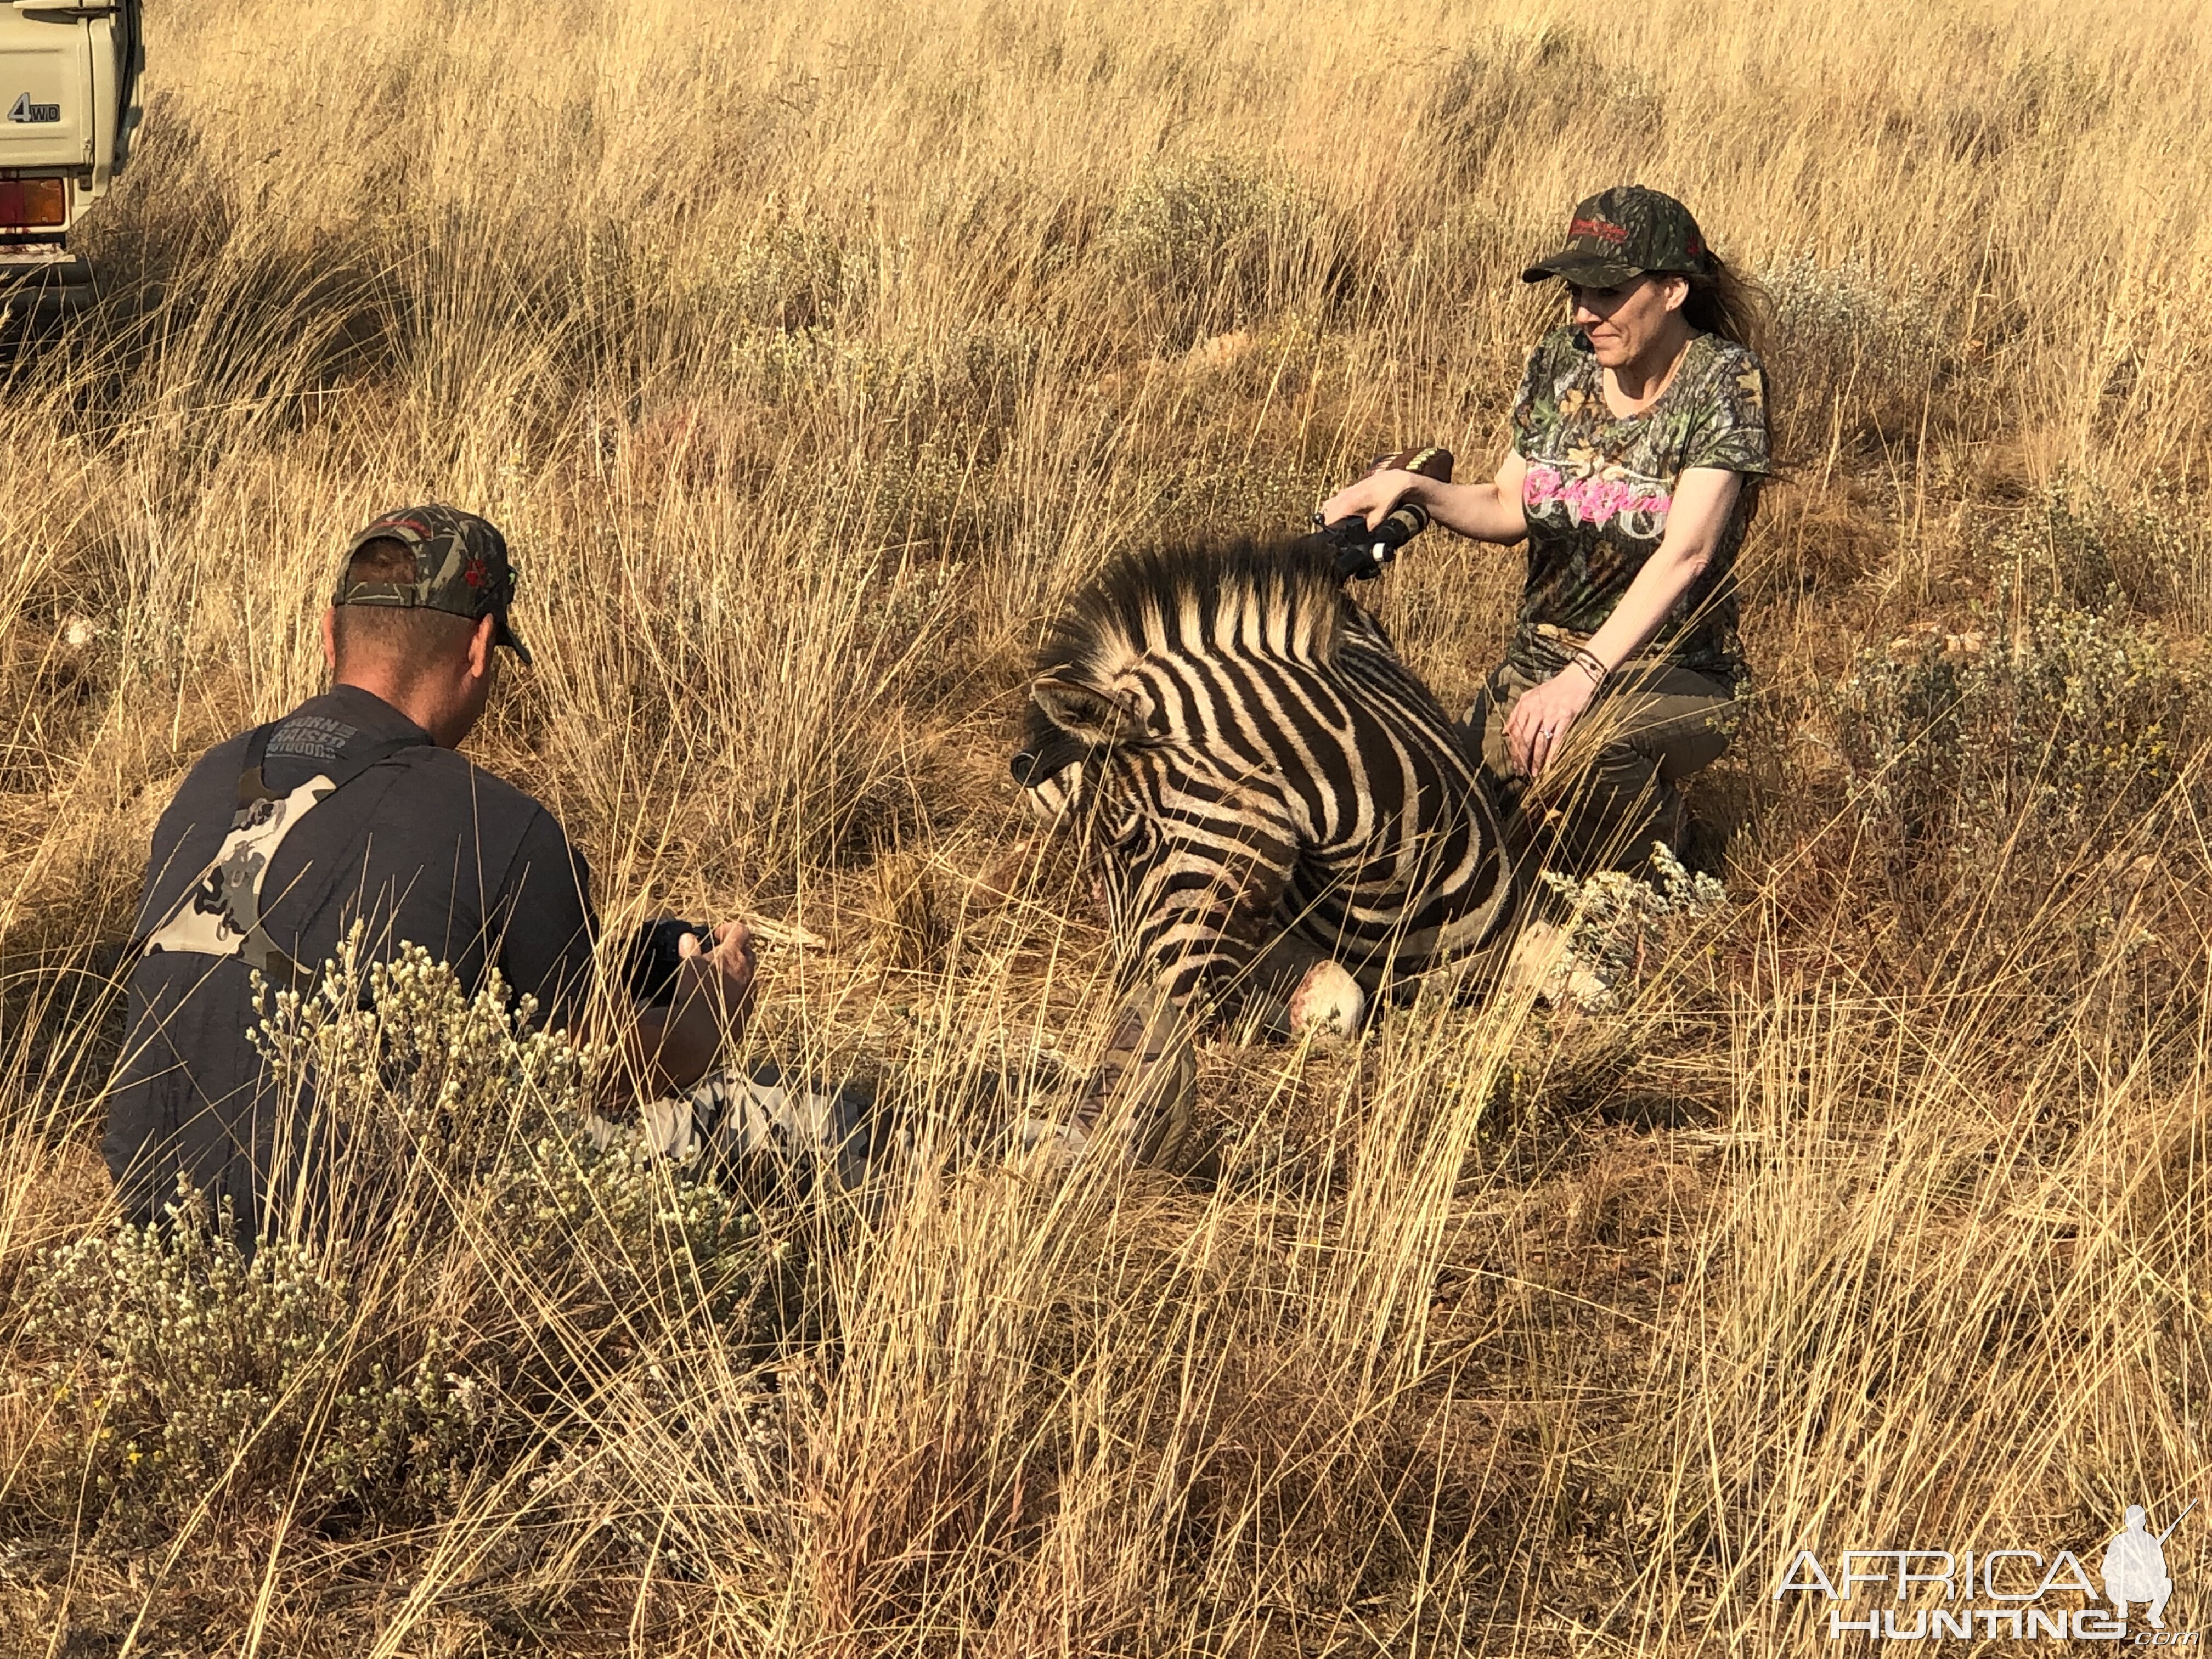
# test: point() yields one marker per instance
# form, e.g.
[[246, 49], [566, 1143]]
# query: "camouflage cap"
[[1620, 234], [460, 567]]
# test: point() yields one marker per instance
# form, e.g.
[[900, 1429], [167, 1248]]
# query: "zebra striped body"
[[1255, 764]]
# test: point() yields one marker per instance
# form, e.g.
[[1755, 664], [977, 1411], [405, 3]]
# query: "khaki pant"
[[1610, 792]]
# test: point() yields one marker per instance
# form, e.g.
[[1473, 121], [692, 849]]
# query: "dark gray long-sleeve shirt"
[[423, 847]]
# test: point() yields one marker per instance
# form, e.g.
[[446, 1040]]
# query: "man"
[[354, 808], [2134, 1568]]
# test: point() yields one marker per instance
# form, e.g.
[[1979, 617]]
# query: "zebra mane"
[[1280, 599]]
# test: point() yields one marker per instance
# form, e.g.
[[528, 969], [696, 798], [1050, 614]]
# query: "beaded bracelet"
[[1587, 660]]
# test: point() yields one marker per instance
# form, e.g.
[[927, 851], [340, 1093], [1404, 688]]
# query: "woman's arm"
[[1481, 512], [1704, 498]]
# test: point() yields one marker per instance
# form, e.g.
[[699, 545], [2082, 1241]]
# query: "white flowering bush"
[[1849, 315], [794, 271], [403, 1062], [628, 1249], [181, 1365], [190, 1362], [184, 1369], [1620, 926], [485, 1116], [399, 1443]]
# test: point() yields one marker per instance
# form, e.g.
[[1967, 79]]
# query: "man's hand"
[[721, 978], [714, 999]]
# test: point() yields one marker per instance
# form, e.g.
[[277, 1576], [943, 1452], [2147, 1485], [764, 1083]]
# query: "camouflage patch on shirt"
[[1599, 488]]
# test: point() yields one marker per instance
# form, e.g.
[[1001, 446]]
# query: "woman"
[[1638, 435]]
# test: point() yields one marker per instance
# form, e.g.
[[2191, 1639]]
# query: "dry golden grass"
[[807, 353]]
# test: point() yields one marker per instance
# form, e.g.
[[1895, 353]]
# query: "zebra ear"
[[1096, 714]]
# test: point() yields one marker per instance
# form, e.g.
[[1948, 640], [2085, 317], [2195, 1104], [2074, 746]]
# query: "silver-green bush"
[[2034, 724], [488, 1267]]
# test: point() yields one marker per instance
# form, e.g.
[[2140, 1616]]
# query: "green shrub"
[[1852, 355], [2033, 724], [1197, 235], [2083, 545]]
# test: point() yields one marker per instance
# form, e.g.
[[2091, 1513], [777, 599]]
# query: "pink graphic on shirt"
[[1596, 500]]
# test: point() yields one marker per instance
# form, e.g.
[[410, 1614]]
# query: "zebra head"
[[1187, 854], [1080, 735], [1072, 724]]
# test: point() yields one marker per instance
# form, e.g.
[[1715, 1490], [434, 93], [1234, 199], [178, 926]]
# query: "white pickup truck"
[[69, 79]]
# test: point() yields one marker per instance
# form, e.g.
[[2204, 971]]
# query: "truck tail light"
[[33, 204]]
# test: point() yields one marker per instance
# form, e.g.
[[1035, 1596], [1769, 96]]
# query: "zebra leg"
[[1205, 893], [1483, 730]]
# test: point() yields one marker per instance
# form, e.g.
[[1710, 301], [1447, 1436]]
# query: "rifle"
[[2178, 1520], [1361, 552]]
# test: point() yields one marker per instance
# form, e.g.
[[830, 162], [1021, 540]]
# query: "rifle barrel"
[[2178, 1520]]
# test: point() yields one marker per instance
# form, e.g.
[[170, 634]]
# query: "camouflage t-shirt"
[[1598, 489]]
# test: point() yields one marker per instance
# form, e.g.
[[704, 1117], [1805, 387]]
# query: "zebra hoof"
[[1328, 1002]]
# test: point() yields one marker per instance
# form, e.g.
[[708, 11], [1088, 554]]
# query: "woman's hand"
[[1481, 512], [1538, 725], [1372, 497]]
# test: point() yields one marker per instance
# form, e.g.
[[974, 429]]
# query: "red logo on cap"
[[477, 574], [1604, 230]]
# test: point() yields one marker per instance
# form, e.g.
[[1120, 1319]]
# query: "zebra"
[[1265, 788]]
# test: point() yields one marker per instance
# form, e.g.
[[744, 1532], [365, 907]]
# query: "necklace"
[[1637, 406]]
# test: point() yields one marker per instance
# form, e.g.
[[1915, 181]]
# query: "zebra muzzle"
[[1032, 767], [1143, 1091]]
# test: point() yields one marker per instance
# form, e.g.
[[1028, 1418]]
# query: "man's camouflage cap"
[[1620, 234], [460, 567]]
